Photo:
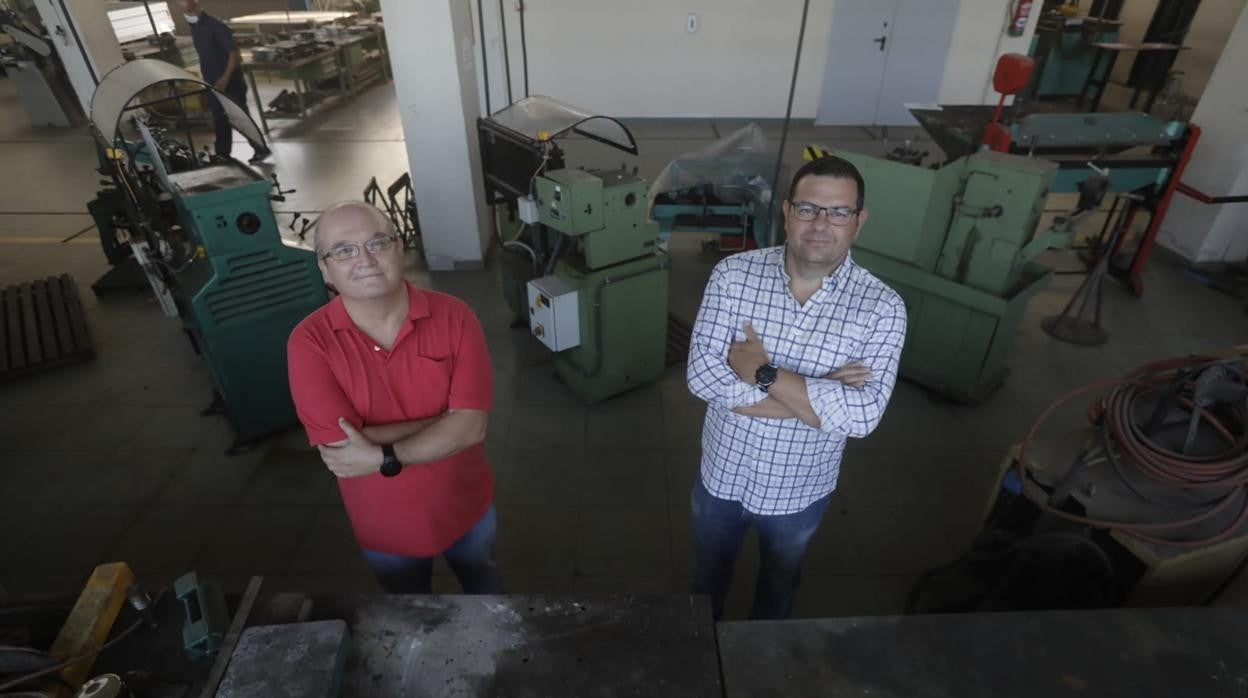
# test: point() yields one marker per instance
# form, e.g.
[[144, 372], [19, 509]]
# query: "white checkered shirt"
[[782, 466]]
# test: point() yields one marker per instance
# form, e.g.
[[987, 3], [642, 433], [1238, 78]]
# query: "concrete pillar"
[[1219, 167], [434, 60]]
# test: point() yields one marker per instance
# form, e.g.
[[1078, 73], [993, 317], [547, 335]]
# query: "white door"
[[883, 55], [855, 62]]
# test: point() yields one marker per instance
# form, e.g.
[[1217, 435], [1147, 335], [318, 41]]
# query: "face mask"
[[191, 19]]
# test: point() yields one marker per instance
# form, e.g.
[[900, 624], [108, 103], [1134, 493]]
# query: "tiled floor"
[[111, 460]]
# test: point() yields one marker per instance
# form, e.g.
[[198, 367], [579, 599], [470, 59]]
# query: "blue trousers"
[[471, 558], [222, 129], [720, 526]]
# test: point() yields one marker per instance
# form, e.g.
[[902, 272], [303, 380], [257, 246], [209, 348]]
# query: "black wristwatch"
[[390, 465], [765, 376]]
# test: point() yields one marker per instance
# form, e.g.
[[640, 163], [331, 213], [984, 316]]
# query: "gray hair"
[[387, 225]]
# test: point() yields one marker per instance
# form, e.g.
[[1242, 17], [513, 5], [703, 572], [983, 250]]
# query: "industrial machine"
[[582, 267], [36, 71], [958, 244], [722, 189], [959, 241], [203, 233], [1064, 53]]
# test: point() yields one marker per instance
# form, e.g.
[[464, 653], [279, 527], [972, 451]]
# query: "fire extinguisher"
[[1018, 22]]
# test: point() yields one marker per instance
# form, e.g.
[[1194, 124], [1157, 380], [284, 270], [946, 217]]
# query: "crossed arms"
[[849, 400]]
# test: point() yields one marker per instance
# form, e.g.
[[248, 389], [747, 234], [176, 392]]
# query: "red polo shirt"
[[439, 362]]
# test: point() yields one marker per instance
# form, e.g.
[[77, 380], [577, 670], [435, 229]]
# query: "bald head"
[[347, 217]]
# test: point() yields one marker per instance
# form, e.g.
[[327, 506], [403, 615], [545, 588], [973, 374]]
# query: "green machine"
[[959, 240], [584, 271], [1064, 51], [958, 244], [203, 235]]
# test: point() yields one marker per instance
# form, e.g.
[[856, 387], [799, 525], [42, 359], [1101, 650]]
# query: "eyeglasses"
[[837, 215], [377, 245]]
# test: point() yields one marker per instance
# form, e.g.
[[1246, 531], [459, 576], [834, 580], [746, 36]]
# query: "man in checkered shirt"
[[795, 349]]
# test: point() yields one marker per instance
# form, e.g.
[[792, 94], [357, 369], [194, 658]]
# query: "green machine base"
[[623, 338], [958, 244], [958, 338]]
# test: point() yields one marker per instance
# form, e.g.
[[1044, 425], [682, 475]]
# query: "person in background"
[[221, 65]]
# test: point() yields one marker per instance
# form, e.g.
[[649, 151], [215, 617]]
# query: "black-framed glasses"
[[377, 245], [837, 215]]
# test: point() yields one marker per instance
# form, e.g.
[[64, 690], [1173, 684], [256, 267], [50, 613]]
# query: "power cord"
[[56, 668]]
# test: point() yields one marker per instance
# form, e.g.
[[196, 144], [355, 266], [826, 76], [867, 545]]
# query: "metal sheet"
[[538, 113], [119, 87], [1091, 130], [1135, 653], [603, 646], [212, 178]]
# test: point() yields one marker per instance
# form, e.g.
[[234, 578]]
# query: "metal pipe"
[[1207, 199], [524, 48], [150, 18], [788, 113], [485, 64], [502, 24]]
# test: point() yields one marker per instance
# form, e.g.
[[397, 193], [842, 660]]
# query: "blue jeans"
[[471, 558], [719, 527]]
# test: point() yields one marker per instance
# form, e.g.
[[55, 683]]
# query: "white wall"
[[1210, 29], [1219, 167], [979, 38], [636, 58]]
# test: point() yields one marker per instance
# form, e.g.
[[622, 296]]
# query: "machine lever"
[[881, 41]]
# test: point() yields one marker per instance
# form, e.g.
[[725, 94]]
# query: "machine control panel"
[[554, 313]]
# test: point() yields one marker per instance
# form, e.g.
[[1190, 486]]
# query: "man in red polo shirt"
[[394, 387]]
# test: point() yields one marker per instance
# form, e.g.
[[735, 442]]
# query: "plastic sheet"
[[120, 87], [737, 167]]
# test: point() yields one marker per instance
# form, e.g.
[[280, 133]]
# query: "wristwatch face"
[[390, 465], [765, 376]]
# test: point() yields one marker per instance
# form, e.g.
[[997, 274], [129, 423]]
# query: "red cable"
[[1226, 470]]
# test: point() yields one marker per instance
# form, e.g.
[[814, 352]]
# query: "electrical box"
[[570, 201], [528, 209], [554, 313]]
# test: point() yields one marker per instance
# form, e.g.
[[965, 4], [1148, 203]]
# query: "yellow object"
[[1068, 10], [90, 621], [814, 152], [543, 135]]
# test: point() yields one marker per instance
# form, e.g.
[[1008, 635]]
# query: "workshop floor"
[[111, 460]]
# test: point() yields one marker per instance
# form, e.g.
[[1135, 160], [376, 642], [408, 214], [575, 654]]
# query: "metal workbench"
[[346, 61], [1135, 653], [470, 645], [631, 645]]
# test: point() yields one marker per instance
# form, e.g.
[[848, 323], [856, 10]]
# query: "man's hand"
[[354, 457], [745, 357], [854, 374], [221, 83]]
